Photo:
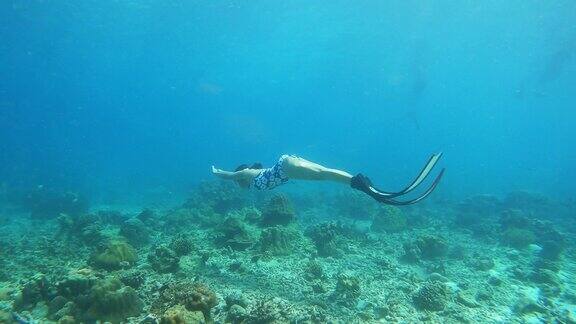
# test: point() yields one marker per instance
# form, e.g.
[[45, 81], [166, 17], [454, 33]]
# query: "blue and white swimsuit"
[[271, 178]]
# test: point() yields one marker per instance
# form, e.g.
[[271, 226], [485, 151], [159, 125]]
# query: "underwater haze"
[[151, 93], [112, 113]]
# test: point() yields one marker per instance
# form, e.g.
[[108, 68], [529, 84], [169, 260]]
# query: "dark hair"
[[243, 183], [241, 167]]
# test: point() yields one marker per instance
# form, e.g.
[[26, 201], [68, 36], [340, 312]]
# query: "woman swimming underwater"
[[293, 167]]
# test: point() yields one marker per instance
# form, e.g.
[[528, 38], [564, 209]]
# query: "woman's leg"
[[299, 168]]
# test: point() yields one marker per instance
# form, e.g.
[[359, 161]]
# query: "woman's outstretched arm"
[[223, 174], [237, 175]]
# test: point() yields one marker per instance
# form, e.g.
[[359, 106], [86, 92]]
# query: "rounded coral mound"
[[194, 296], [180, 315], [426, 247], [278, 211], [432, 296], [235, 233], [135, 231], [181, 244], [115, 256], [518, 237], [113, 302]]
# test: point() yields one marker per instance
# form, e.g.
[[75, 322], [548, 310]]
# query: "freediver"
[[294, 167]]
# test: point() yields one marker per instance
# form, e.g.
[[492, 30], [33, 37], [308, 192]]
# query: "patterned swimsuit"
[[271, 178]]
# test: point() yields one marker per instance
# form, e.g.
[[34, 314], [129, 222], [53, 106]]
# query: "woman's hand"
[[221, 173]]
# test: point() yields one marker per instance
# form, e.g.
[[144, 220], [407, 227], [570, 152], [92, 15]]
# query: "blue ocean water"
[[136, 94], [128, 104]]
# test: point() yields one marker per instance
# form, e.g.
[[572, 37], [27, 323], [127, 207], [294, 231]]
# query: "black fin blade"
[[388, 201], [417, 181]]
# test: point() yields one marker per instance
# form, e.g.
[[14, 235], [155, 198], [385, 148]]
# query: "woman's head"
[[245, 183]]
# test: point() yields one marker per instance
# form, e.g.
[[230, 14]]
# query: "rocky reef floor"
[[224, 256]]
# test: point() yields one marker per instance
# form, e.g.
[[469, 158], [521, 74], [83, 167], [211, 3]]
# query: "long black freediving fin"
[[363, 183], [417, 181], [415, 200]]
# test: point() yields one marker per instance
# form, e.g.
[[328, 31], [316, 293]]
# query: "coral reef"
[[273, 310], [32, 292], [181, 244], [108, 216], [478, 260], [425, 247], [525, 200], [347, 289], [389, 219], [280, 240], [164, 260], [135, 232], [278, 211], [80, 297], [518, 237], [514, 218], [220, 196], [355, 205], [194, 296], [110, 301], [236, 234], [42, 202], [432, 296], [328, 238], [133, 278], [85, 227], [117, 255], [479, 204], [477, 214], [180, 315]]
